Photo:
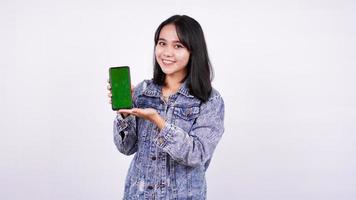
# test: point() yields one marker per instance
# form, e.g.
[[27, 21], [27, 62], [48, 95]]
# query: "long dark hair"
[[199, 70]]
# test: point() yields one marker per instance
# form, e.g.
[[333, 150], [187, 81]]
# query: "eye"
[[161, 43], [178, 46]]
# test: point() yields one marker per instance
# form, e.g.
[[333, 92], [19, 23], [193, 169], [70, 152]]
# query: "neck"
[[171, 86], [172, 83]]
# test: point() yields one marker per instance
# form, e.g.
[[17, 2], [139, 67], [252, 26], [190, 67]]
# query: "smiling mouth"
[[167, 62]]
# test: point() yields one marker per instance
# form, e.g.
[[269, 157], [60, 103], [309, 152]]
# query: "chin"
[[167, 72], [166, 69]]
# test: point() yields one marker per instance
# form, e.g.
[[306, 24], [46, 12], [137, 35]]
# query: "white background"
[[286, 70]]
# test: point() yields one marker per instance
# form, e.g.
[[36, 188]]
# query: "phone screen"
[[120, 87]]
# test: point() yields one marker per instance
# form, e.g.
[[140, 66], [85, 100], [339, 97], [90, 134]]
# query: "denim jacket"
[[169, 163]]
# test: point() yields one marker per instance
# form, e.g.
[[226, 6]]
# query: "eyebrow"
[[175, 41]]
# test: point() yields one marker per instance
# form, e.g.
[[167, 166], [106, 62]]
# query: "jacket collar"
[[184, 90], [154, 90]]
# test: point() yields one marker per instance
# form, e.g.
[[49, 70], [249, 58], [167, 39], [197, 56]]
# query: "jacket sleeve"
[[196, 147], [125, 130], [125, 137]]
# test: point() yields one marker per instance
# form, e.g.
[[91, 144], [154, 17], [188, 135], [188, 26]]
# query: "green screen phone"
[[120, 87]]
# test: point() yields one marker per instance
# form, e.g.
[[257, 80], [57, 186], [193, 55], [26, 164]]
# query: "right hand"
[[110, 95]]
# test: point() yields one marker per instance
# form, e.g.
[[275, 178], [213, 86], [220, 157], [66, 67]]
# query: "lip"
[[167, 61]]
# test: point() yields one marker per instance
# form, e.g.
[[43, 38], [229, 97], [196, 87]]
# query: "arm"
[[196, 147], [125, 131], [125, 137]]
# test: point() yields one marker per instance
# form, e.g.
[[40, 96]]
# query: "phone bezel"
[[129, 78]]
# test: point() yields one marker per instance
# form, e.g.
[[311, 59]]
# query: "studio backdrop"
[[285, 69]]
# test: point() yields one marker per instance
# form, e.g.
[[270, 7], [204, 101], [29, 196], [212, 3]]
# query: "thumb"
[[132, 88]]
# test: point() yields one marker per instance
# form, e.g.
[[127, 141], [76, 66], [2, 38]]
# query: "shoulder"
[[215, 95], [142, 86], [215, 101]]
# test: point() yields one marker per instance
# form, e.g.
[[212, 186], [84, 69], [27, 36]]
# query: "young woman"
[[177, 119]]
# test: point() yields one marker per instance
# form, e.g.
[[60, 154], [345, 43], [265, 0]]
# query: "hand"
[[108, 87], [146, 113]]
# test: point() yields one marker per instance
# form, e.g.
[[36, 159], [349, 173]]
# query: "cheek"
[[157, 52], [184, 57]]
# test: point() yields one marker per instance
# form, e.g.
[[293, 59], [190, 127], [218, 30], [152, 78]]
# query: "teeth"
[[167, 61]]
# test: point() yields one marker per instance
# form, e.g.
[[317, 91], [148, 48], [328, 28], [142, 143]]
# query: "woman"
[[177, 119]]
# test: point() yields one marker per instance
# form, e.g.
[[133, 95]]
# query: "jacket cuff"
[[122, 123], [166, 135]]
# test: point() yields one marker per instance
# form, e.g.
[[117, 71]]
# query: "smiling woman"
[[171, 54], [177, 119]]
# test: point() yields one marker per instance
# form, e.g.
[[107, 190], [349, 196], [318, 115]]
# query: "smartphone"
[[120, 83]]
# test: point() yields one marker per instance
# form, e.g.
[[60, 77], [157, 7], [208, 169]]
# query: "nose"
[[167, 52]]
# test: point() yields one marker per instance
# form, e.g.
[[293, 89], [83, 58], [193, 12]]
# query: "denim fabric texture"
[[169, 163]]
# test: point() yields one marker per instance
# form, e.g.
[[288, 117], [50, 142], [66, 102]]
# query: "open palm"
[[146, 113]]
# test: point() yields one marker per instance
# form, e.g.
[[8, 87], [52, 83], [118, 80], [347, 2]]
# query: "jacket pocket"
[[187, 113], [184, 118]]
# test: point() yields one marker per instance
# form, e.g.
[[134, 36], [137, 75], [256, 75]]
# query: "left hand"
[[145, 113]]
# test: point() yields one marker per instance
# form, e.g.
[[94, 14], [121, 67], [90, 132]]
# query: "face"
[[171, 55]]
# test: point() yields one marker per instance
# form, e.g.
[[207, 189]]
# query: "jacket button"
[[153, 158], [160, 140], [189, 111], [150, 187]]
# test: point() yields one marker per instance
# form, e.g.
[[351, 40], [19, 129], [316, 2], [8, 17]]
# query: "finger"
[[132, 90], [128, 111], [108, 80], [109, 95], [121, 113], [137, 112], [109, 87]]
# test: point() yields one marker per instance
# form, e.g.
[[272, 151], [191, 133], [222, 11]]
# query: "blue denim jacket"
[[170, 163]]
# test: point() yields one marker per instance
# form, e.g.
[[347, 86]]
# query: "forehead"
[[169, 33]]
